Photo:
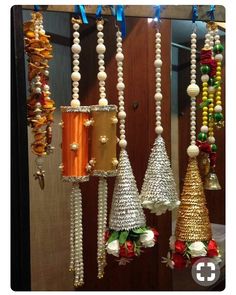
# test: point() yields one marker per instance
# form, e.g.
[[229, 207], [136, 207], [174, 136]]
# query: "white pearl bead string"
[[101, 49], [193, 90], [72, 224], [75, 76], [120, 87], [102, 223], [78, 237], [158, 93], [102, 186]]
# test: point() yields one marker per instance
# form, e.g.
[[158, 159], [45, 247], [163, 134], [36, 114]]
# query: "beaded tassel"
[[102, 223], [102, 187]]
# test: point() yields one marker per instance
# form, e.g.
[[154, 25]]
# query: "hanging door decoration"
[[128, 233], [40, 106], [158, 191], [193, 235]]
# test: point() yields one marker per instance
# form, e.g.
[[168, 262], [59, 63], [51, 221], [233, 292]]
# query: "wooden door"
[[49, 210]]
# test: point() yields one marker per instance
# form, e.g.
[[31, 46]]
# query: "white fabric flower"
[[172, 241], [147, 239], [113, 248], [197, 249]]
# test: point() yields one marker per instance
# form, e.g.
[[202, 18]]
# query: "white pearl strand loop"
[[193, 90], [76, 76], [158, 92], [120, 87]]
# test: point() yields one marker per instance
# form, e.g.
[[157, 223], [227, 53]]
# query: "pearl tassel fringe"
[[102, 222], [76, 236]]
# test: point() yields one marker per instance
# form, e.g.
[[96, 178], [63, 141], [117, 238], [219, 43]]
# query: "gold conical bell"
[[211, 181]]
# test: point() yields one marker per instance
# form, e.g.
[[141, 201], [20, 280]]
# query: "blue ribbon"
[[99, 11], [211, 12], [36, 8], [113, 10], [157, 16], [195, 13], [120, 17], [79, 9]]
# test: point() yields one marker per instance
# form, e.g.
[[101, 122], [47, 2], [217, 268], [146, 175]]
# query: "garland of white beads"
[[193, 90], [75, 76], [120, 87], [102, 223], [158, 94], [101, 49], [102, 186], [78, 238]]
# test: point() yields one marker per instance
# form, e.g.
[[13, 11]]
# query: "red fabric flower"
[[179, 261], [127, 250], [205, 54], [156, 233], [212, 249], [204, 146], [106, 235], [180, 247]]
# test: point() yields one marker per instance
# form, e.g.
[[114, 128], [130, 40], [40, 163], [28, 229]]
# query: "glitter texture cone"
[[193, 222], [159, 192], [126, 210]]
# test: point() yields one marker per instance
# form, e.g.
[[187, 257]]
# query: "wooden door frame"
[[20, 224]]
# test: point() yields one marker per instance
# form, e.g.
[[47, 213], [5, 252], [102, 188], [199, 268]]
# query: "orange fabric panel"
[[74, 131]]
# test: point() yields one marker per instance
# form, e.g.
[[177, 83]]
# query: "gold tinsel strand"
[[193, 222]]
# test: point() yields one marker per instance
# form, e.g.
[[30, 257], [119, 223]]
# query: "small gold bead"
[[219, 102], [204, 118], [205, 89], [204, 94], [211, 110], [205, 109], [219, 63], [204, 113], [218, 68], [204, 123], [204, 98], [218, 73], [219, 88], [204, 84]]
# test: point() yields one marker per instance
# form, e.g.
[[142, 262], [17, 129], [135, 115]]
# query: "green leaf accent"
[[204, 104], [114, 236], [139, 230], [123, 237]]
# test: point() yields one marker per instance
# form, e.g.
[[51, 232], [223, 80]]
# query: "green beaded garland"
[[218, 48], [218, 117], [211, 82], [202, 136], [205, 69], [213, 147]]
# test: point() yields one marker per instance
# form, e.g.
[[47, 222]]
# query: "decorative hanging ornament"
[[159, 192], [128, 232], [211, 59], [75, 122], [193, 236], [103, 160], [40, 106]]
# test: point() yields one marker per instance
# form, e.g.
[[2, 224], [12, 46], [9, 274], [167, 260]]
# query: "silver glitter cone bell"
[[126, 210], [159, 192]]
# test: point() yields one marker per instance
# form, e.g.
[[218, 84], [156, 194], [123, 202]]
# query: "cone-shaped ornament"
[[193, 222], [126, 210], [159, 189], [211, 181]]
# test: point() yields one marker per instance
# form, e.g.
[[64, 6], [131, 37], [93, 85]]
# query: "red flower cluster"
[[204, 146], [212, 249], [179, 261], [205, 55], [127, 250], [156, 233], [180, 247]]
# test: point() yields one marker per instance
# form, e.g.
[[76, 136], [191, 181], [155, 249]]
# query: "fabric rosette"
[[182, 254], [127, 244]]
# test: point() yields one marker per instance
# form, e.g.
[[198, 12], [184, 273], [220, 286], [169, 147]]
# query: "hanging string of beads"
[[102, 187], [40, 106], [75, 76], [120, 87], [101, 49], [193, 90]]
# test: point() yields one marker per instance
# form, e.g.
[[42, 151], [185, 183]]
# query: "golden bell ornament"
[[211, 181]]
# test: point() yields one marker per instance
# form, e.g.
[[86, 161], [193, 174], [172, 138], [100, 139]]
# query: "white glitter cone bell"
[[126, 211], [159, 192]]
